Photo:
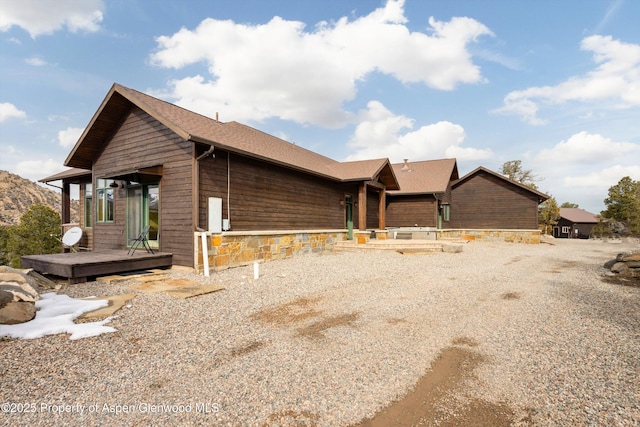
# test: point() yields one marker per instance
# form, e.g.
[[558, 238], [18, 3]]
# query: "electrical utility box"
[[215, 215]]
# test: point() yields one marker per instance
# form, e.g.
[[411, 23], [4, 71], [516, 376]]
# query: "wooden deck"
[[78, 266]]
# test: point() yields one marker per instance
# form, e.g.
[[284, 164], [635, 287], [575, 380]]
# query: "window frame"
[[88, 205], [105, 202]]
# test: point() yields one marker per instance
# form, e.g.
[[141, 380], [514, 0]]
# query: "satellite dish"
[[72, 236]]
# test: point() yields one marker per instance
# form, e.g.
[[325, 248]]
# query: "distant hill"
[[18, 194]]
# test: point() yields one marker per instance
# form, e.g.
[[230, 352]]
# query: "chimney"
[[405, 167], [217, 117]]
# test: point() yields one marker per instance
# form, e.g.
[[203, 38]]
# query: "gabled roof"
[[231, 136], [578, 215], [425, 177], [541, 196]]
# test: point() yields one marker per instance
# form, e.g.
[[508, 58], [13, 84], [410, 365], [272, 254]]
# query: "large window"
[[104, 199], [88, 205]]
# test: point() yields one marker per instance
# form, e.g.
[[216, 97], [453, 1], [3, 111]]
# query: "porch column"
[[382, 209], [362, 207], [66, 202]]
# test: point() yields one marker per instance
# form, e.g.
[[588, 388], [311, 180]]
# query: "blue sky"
[[555, 84]]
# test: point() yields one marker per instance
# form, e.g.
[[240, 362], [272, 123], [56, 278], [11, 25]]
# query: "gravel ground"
[[330, 339]]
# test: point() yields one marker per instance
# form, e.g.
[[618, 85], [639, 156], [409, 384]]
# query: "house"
[[425, 190], [487, 205], [482, 204], [483, 199], [218, 194], [574, 223], [146, 162]]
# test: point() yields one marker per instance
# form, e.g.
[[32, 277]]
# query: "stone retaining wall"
[[514, 236], [231, 249]]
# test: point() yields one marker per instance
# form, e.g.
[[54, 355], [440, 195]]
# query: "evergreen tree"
[[37, 233], [623, 203]]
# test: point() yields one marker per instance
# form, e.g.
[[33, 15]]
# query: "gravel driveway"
[[331, 339]]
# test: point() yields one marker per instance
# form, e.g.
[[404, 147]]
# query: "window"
[[88, 205], [104, 201], [565, 229]]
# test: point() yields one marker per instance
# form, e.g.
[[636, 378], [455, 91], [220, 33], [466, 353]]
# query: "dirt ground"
[[423, 405]]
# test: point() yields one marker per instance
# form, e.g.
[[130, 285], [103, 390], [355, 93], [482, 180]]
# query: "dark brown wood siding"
[[269, 197], [485, 201], [373, 201], [584, 229], [409, 211], [141, 141]]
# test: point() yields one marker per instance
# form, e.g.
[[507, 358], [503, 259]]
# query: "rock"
[[632, 260], [5, 297], [15, 312], [620, 256], [39, 283], [609, 264], [20, 291], [17, 296], [620, 267]]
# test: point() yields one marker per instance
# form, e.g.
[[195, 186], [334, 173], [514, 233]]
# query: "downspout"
[[197, 206]]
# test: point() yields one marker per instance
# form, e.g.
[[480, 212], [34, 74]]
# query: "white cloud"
[[44, 17], [68, 137], [8, 111], [614, 83], [37, 169], [381, 134], [585, 148], [280, 69], [601, 181], [36, 61]]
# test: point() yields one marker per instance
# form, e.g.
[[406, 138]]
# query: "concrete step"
[[405, 246]]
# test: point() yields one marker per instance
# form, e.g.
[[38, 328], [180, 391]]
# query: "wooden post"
[[362, 207], [66, 202], [382, 210]]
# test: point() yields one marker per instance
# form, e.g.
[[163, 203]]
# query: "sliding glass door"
[[143, 208]]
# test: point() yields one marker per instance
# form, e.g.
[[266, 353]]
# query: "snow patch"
[[55, 315]]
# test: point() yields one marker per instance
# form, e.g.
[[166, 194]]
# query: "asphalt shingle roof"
[[578, 215], [430, 176], [232, 136]]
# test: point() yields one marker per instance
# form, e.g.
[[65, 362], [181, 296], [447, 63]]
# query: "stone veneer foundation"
[[513, 236], [236, 248]]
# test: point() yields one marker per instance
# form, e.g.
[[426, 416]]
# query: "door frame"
[[348, 215]]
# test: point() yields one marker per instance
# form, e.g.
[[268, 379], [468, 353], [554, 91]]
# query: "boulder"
[[15, 312], [17, 296], [620, 268], [626, 264]]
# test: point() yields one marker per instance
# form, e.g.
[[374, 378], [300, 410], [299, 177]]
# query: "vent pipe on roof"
[[217, 117], [405, 167]]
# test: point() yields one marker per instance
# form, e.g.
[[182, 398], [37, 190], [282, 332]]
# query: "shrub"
[[37, 233]]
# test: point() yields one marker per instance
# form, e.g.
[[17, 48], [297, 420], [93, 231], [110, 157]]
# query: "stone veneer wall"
[[513, 236], [236, 248]]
